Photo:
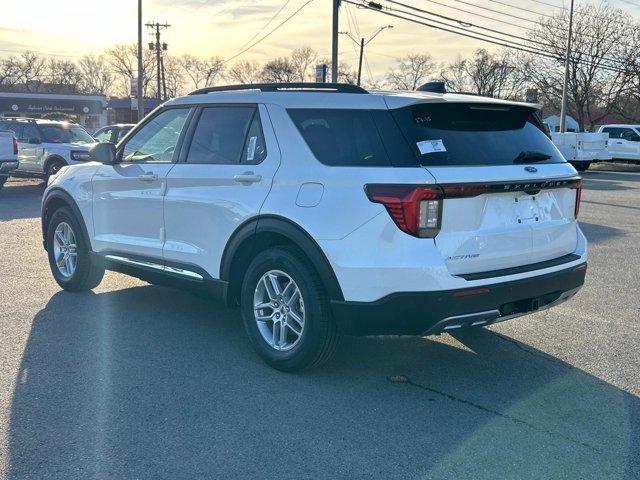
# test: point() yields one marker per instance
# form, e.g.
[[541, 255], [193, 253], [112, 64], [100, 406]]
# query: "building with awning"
[[87, 110]]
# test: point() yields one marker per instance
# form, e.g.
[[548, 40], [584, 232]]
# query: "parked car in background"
[[624, 141], [324, 209], [8, 155], [113, 133], [45, 146], [582, 149]]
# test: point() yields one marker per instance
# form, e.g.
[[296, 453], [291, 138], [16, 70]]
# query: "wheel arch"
[[266, 231], [52, 158], [53, 200]]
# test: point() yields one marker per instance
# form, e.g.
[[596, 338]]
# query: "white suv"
[[45, 146], [323, 209]]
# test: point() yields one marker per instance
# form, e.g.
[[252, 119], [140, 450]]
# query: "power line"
[[466, 25], [246, 49], [482, 37], [522, 9], [275, 15]]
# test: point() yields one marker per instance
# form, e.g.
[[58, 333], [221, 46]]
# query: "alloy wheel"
[[65, 250], [279, 310]]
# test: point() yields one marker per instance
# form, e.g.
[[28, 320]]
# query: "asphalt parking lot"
[[134, 381]]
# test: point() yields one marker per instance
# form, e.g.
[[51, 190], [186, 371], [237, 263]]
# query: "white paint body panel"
[[189, 214]]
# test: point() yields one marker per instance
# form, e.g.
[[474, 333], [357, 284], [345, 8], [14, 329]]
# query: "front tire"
[[52, 168], [70, 259], [286, 311]]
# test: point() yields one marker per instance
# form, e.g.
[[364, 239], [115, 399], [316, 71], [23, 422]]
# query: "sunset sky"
[[71, 28]]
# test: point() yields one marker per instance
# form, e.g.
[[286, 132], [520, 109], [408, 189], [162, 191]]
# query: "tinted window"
[[613, 132], [123, 131], [75, 134], [220, 135], [342, 137], [255, 148], [14, 127], [474, 134], [30, 132], [157, 138], [628, 134]]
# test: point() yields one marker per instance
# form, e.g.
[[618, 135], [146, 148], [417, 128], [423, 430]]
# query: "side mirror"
[[104, 153], [34, 141]]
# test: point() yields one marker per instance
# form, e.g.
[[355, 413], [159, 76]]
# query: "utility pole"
[[334, 41], [362, 43], [158, 47], [140, 65], [565, 85]]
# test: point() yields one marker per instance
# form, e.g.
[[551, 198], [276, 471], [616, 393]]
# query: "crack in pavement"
[[506, 416]]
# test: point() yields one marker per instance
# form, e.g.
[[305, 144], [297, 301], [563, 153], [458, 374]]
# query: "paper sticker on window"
[[431, 146], [251, 148]]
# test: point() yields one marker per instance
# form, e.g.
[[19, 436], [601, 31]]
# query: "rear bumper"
[[7, 166], [416, 313]]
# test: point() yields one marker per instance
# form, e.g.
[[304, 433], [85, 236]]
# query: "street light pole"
[[140, 66], [360, 61], [565, 85]]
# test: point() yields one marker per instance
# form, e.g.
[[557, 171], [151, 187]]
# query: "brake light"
[[578, 198], [15, 146], [416, 210]]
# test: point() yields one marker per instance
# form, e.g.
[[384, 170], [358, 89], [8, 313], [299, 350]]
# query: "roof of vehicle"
[[620, 125], [119, 125], [39, 121], [317, 96]]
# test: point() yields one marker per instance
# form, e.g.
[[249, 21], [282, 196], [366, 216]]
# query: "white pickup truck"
[[8, 155], [582, 149]]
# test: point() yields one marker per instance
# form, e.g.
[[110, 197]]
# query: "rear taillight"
[[578, 188], [15, 146], [416, 210]]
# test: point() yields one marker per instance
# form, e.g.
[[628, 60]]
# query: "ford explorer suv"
[[45, 146], [624, 141], [323, 210], [8, 155]]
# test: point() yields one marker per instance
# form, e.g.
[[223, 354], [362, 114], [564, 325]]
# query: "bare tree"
[[30, 71], [597, 76], [64, 75], [491, 75], [123, 60], [244, 71], [278, 70], [174, 76], [96, 77], [8, 72], [302, 59], [411, 71], [202, 72]]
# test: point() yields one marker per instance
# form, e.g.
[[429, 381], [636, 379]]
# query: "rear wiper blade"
[[528, 156]]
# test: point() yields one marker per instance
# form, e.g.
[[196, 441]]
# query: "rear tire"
[[298, 294], [581, 166], [72, 265]]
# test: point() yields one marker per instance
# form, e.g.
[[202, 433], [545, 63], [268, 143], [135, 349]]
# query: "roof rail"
[[283, 87]]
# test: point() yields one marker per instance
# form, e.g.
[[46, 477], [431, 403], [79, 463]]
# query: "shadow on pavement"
[[20, 199], [596, 233], [150, 382]]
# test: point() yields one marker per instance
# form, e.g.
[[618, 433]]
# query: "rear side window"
[[475, 134], [342, 137], [220, 135]]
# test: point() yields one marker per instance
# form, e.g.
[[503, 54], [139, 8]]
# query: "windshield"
[[475, 134], [66, 134]]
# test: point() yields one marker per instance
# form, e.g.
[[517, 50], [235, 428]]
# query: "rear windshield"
[[475, 134]]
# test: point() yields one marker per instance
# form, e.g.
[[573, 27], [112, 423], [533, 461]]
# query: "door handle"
[[148, 177], [247, 177]]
